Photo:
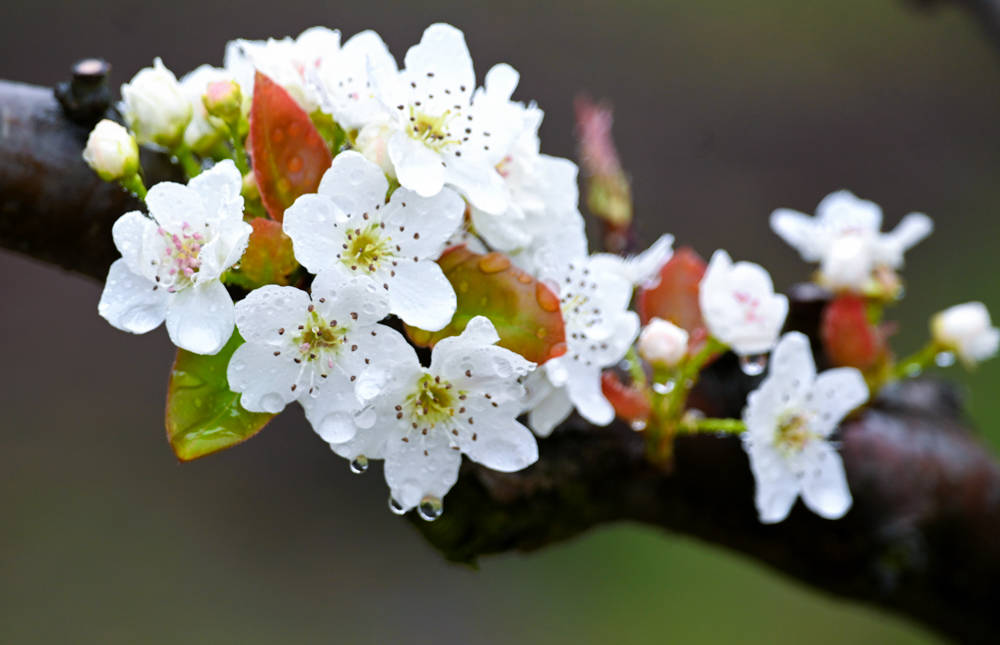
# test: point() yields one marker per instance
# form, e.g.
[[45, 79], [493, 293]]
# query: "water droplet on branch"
[[753, 364], [430, 508]]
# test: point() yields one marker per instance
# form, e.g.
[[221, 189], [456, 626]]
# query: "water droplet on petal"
[[396, 507], [753, 364], [430, 508], [944, 359], [359, 464]]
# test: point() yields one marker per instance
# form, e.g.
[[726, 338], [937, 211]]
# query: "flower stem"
[[915, 363], [714, 426], [133, 184], [187, 160], [635, 368]]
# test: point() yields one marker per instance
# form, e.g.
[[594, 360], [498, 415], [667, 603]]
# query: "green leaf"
[[525, 312], [203, 414], [289, 154]]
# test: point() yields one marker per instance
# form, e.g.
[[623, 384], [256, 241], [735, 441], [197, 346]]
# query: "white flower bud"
[[373, 143], [111, 151], [663, 343], [966, 329], [155, 107]]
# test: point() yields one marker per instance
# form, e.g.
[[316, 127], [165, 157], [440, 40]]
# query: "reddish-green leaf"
[[203, 415], [525, 312], [675, 296], [268, 259], [289, 155], [849, 338], [630, 403]]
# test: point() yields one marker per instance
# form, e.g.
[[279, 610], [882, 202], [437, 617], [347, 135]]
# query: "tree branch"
[[921, 538]]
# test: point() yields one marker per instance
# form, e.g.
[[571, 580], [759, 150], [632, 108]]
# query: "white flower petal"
[[263, 379], [219, 190], [442, 54], [584, 390], [411, 474], [200, 319], [129, 302], [354, 300], [799, 231], [129, 233], [824, 484], [835, 394], [174, 205], [911, 229], [316, 225], [417, 166], [421, 295], [266, 311], [775, 485], [481, 184], [428, 222], [353, 180], [792, 363], [550, 411], [502, 444], [842, 210]]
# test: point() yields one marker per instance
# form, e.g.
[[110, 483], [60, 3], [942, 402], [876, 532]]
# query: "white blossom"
[[327, 352], [466, 402], [289, 63], [541, 190], [347, 226], [967, 330], [599, 331], [111, 151], [739, 305], [663, 343], [642, 269], [789, 419], [171, 264], [845, 238], [441, 137], [344, 80], [154, 106]]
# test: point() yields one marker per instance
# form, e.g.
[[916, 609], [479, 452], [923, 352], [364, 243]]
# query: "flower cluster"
[[329, 188]]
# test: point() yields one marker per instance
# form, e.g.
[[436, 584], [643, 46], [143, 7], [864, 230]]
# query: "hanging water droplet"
[[638, 425], [663, 388], [944, 359], [396, 507], [430, 508], [753, 364], [359, 464]]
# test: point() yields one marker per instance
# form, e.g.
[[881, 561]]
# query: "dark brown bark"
[[923, 537]]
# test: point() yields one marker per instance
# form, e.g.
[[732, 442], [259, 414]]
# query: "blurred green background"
[[725, 110]]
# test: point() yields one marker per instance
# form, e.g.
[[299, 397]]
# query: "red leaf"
[[524, 311], [289, 155], [849, 338], [675, 296], [629, 402]]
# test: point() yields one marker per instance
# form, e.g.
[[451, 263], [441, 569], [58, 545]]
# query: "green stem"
[[916, 362], [133, 184], [730, 426], [239, 151], [187, 160], [635, 368]]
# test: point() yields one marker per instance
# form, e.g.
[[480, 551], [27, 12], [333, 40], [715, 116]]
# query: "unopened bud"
[[224, 100], [967, 330], [155, 107], [111, 151], [663, 343]]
